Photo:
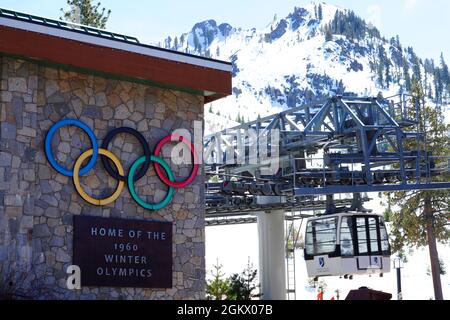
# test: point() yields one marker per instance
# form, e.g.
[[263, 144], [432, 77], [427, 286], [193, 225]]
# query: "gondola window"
[[362, 235], [374, 248], [384, 239], [347, 237], [321, 236]]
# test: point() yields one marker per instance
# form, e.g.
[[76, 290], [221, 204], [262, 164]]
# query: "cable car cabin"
[[345, 244]]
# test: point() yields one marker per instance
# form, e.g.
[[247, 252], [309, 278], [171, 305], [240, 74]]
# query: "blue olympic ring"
[[48, 146]]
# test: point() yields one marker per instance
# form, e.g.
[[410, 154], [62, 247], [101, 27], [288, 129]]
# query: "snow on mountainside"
[[316, 51]]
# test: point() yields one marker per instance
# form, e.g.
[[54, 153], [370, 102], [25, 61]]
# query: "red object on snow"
[[320, 296]]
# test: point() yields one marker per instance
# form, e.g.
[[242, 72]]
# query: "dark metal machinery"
[[343, 145]]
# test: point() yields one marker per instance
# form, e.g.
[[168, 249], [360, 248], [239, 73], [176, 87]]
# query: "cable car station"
[[331, 154]]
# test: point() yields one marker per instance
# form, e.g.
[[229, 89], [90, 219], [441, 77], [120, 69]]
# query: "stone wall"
[[37, 204]]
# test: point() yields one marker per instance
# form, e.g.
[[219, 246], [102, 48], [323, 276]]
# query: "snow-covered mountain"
[[316, 51]]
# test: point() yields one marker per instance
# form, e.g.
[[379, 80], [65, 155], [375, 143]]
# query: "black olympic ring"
[[106, 163]]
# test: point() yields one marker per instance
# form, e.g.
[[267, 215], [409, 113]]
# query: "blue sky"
[[422, 24]]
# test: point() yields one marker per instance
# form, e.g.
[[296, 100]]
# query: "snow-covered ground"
[[416, 284], [234, 245]]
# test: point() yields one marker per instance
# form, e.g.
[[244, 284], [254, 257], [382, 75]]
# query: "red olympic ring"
[[159, 171]]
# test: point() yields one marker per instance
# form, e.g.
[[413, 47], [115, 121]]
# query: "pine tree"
[[84, 12], [217, 288], [380, 73], [241, 286], [381, 65], [175, 43], [423, 215], [399, 46], [168, 42], [445, 76], [320, 14], [197, 46], [387, 73], [328, 35], [406, 75], [182, 40]]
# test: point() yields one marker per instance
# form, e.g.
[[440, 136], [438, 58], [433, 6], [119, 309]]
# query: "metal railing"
[[416, 170]]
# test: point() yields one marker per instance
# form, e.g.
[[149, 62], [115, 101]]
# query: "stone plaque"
[[123, 253]]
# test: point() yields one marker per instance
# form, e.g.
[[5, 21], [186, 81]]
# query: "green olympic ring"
[[134, 195]]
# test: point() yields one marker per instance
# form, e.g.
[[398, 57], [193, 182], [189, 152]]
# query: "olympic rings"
[[48, 146], [76, 178], [175, 184], [140, 137], [107, 156], [151, 206]]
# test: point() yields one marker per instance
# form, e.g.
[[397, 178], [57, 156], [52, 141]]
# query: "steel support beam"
[[371, 188]]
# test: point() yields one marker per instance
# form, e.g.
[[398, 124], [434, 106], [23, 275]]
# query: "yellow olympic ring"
[[76, 177]]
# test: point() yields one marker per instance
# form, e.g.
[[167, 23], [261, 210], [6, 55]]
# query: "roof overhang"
[[88, 53]]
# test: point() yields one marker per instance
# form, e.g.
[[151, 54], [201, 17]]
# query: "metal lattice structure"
[[342, 145], [326, 155]]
